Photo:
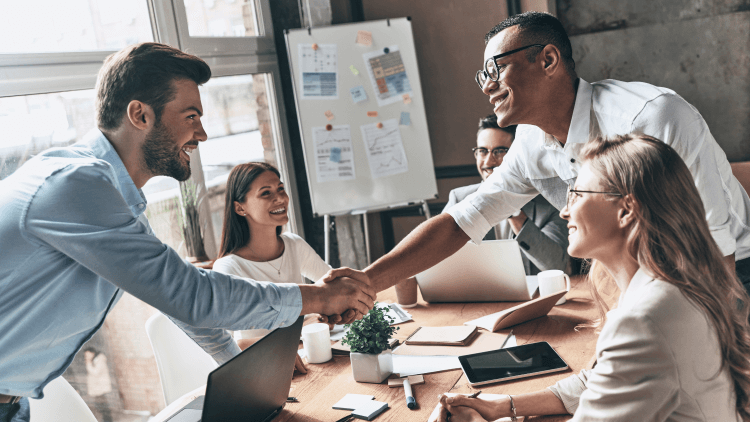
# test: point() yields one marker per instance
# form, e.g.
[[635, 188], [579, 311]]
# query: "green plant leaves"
[[371, 333]]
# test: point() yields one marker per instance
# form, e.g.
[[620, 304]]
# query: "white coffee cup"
[[317, 342], [553, 281]]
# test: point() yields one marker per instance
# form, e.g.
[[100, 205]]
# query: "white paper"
[[334, 158], [319, 74], [338, 332], [511, 342], [414, 365], [389, 310], [388, 75], [352, 401], [435, 413], [385, 149]]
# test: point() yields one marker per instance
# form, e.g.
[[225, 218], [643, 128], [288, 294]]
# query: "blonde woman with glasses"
[[677, 347]]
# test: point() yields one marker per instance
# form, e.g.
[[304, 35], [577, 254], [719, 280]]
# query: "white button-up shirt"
[[538, 163]]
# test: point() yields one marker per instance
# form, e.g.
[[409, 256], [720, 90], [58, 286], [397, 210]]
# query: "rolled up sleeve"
[[569, 390]]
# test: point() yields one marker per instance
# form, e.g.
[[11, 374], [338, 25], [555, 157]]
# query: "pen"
[[506, 339], [411, 403], [474, 394]]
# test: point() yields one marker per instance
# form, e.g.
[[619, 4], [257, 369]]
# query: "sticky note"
[[315, 47], [405, 119], [329, 115], [407, 99], [335, 155], [354, 70], [364, 37], [372, 114], [358, 94], [369, 410], [351, 401]]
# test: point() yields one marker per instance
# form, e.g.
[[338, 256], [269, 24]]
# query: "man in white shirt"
[[529, 75]]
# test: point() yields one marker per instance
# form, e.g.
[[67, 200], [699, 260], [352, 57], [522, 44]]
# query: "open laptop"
[[489, 272], [253, 386]]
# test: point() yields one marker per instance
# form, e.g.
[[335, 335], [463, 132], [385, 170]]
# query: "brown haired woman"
[[677, 347], [252, 244]]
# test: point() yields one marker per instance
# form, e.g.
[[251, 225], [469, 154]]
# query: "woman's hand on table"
[[463, 408], [456, 413]]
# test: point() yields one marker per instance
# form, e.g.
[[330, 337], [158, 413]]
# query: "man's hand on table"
[[342, 291], [351, 314]]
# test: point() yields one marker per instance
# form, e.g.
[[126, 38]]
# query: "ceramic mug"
[[553, 281], [317, 342]]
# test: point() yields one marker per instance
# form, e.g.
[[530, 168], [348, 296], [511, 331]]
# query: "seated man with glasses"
[[537, 226]]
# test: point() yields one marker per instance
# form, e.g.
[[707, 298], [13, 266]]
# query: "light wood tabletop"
[[327, 383]]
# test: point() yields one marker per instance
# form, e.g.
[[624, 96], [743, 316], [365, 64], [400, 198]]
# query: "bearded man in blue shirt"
[[74, 236]]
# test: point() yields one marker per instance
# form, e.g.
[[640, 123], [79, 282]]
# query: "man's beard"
[[161, 155]]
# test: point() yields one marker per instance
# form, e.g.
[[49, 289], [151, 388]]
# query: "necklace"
[[281, 262]]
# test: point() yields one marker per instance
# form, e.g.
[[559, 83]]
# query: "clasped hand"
[[351, 313]]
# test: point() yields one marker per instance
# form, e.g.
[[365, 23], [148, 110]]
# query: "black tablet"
[[511, 363]]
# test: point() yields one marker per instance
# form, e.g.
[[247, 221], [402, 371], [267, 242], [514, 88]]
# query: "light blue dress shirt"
[[73, 237]]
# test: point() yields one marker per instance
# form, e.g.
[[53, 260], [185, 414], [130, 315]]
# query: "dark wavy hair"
[[236, 233], [143, 72], [671, 239]]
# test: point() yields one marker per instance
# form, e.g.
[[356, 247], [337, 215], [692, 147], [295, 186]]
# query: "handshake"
[[340, 297]]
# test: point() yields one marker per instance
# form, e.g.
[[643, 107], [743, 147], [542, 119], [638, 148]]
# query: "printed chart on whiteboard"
[[388, 75], [333, 153], [385, 150], [319, 71]]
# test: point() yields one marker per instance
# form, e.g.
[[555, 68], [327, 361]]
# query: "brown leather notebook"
[[526, 311], [442, 336]]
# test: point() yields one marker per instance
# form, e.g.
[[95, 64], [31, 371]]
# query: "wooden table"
[[326, 383]]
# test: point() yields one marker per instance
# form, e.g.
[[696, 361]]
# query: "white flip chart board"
[[361, 162]]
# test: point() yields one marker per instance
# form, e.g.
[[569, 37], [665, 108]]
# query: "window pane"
[[73, 25], [221, 18], [237, 120]]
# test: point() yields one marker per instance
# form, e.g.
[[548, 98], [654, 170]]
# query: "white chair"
[[183, 365], [61, 403]]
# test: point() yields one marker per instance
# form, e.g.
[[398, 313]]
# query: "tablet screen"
[[511, 362]]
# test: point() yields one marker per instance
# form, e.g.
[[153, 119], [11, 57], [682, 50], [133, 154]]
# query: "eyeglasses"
[[481, 152], [574, 194], [491, 67]]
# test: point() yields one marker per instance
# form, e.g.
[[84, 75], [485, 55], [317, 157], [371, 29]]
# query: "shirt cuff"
[[228, 353], [723, 237], [569, 390], [470, 220], [290, 300]]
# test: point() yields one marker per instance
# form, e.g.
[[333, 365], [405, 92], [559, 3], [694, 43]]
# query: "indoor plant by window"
[[370, 352], [189, 220]]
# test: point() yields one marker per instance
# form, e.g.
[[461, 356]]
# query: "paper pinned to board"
[[358, 94], [388, 75], [334, 158], [319, 71], [384, 148]]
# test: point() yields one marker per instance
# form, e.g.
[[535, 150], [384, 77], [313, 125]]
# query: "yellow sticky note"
[[329, 115], [364, 38], [354, 70], [407, 99], [372, 114]]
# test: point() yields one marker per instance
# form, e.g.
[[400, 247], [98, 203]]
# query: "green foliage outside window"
[[371, 333]]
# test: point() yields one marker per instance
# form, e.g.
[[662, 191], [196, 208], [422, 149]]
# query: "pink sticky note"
[[364, 37], [407, 99], [372, 114], [329, 115]]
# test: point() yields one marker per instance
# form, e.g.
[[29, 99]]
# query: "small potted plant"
[[192, 232], [370, 353]]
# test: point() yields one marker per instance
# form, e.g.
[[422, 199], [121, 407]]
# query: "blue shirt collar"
[[103, 149]]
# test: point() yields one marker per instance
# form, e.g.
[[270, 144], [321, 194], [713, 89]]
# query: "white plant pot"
[[367, 367]]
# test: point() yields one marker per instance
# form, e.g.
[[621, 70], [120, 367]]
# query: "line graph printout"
[[334, 159], [319, 71], [388, 75], [385, 150]]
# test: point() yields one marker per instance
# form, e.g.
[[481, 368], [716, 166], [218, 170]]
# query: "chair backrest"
[[742, 172], [183, 365], [61, 403]]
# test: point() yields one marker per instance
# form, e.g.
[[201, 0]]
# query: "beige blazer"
[[658, 359]]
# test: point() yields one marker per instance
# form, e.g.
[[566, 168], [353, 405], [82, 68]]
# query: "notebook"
[[448, 336], [526, 311]]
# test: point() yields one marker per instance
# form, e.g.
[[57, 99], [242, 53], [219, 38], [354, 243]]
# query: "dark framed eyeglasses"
[[573, 195], [491, 68], [481, 152]]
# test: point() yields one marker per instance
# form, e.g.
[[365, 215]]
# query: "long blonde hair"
[[671, 239]]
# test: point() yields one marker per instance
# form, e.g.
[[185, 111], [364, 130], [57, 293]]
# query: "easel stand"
[[366, 228]]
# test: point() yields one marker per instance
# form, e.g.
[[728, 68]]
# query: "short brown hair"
[[143, 72]]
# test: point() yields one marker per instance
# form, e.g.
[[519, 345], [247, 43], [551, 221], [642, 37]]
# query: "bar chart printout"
[[333, 153]]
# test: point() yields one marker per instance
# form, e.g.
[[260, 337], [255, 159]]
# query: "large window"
[[50, 53]]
